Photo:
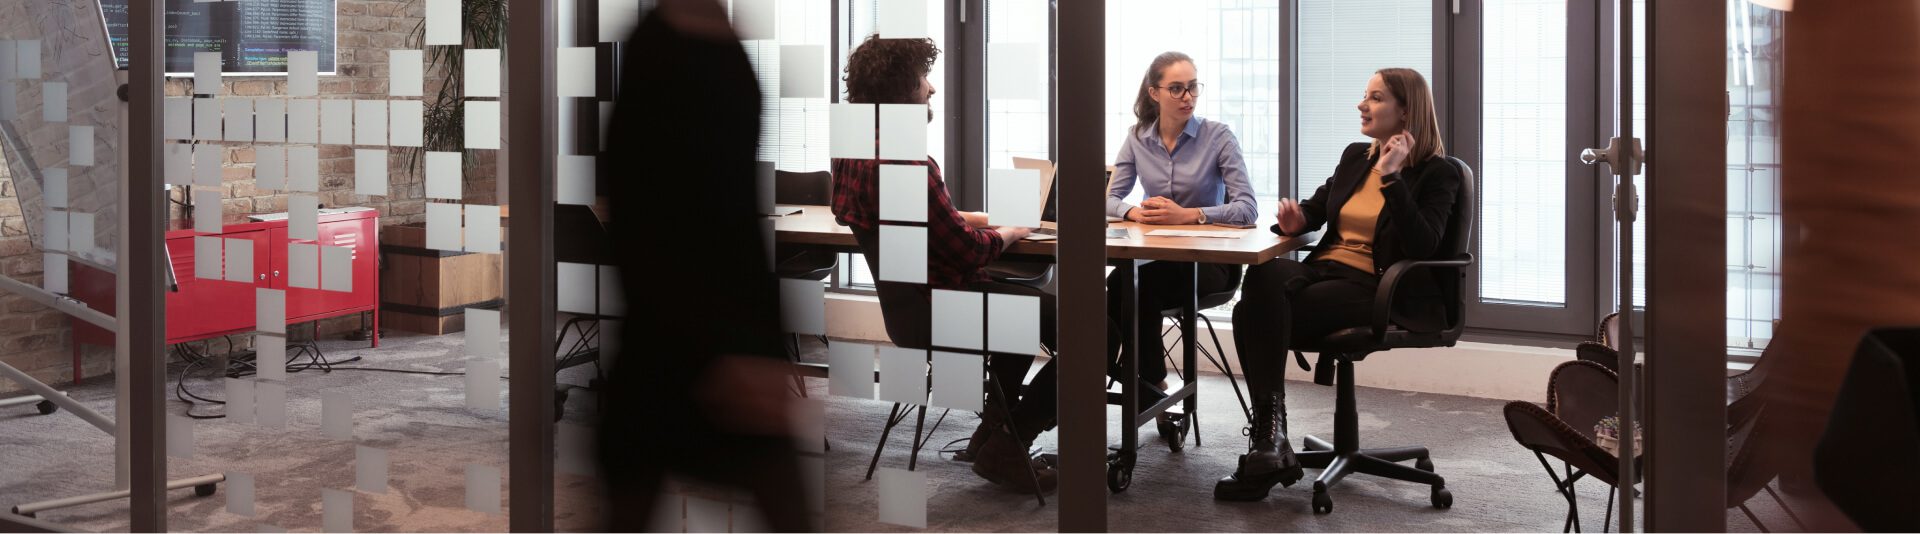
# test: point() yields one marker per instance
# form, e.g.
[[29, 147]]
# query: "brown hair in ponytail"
[[1145, 109]]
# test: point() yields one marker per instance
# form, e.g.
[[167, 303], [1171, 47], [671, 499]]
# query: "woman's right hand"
[[1291, 220]]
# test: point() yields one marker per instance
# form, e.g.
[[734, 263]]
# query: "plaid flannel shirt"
[[956, 253]]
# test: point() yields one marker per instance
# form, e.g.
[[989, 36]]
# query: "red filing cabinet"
[[202, 309]]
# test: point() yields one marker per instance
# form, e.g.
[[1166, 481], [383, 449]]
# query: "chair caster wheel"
[[1119, 477], [1174, 431], [204, 490], [1423, 464], [1322, 503], [47, 407], [1442, 498]]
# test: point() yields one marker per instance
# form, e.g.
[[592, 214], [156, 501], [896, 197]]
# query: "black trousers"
[[1034, 409], [1284, 300], [1163, 285]]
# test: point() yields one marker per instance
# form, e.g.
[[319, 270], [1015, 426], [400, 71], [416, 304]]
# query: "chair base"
[[1344, 456]]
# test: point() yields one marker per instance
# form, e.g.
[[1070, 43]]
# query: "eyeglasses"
[[1180, 89]]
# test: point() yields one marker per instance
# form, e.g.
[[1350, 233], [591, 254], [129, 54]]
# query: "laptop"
[[1049, 209]]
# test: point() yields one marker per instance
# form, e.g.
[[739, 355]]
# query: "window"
[[1340, 47], [1523, 166], [1018, 128], [1754, 76], [793, 131]]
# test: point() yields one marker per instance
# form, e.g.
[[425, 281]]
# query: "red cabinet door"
[[205, 307], [301, 302]]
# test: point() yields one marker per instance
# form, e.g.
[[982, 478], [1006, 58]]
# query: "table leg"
[[1189, 341], [1129, 378]]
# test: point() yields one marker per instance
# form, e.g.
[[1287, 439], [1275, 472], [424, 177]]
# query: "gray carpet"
[[431, 438]]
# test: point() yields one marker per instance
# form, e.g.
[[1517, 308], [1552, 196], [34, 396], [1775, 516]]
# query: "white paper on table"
[[1013, 323], [903, 132], [239, 401], [903, 254], [574, 282], [177, 163], [80, 146], [903, 375], [303, 72], [53, 186], [483, 124], [575, 178], [803, 70], [1217, 234], [336, 122], [902, 19], [408, 129], [303, 265], [369, 122], [483, 229], [336, 414], [482, 67], [178, 118], [443, 226], [957, 381], [27, 65], [903, 497], [336, 268], [303, 121], [1013, 197], [53, 270], [612, 302], [756, 19], [443, 175], [617, 19], [370, 469], [270, 167], [56, 230], [303, 217], [959, 318], [370, 172], [1014, 71], [270, 359], [270, 120], [903, 192], [303, 169], [207, 262], [483, 489], [53, 102], [206, 73], [270, 399], [406, 72], [336, 510], [239, 260], [852, 130], [483, 385], [443, 22], [270, 310], [803, 307], [239, 488], [239, 118], [575, 69], [179, 436], [206, 165], [483, 333], [206, 213], [80, 233]]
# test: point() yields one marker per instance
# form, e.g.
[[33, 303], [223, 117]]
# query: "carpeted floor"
[[431, 438]]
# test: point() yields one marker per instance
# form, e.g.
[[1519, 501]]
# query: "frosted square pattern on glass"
[[179, 436], [206, 120], [443, 226], [207, 262], [575, 68], [483, 228], [53, 102], [269, 167], [336, 268], [443, 22], [239, 400], [803, 307], [370, 172], [177, 163], [803, 71], [270, 399], [80, 146], [178, 118], [903, 497], [28, 60], [483, 385], [9, 100], [369, 122], [704, 515], [239, 489], [53, 183], [903, 254], [206, 214], [902, 19], [483, 125], [482, 67], [303, 121], [80, 236], [405, 71], [336, 510], [56, 229], [206, 73], [303, 169], [764, 175], [903, 132], [617, 19], [957, 381], [336, 415], [239, 118], [206, 165], [303, 265], [903, 192], [574, 282], [303, 72], [612, 302], [1014, 71], [303, 217], [852, 130], [903, 375], [575, 178], [959, 317], [483, 489], [336, 122], [270, 120], [239, 260], [1013, 323], [407, 128], [443, 175], [271, 354], [483, 333], [1013, 197], [850, 370], [270, 310], [370, 469], [54, 272], [755, 19]]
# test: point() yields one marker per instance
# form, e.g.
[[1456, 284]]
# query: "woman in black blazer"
[[1387, 201]]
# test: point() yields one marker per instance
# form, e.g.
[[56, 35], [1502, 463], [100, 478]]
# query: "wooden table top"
[[815, 226]]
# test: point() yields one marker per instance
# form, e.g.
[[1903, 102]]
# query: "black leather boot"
[[1269, 459]]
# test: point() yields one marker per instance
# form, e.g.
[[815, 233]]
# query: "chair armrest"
[[1390, 282]]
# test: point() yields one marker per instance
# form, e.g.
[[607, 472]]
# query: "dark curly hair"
[[887, 71]]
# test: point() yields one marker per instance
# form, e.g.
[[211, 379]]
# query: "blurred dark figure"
[[700, 390]]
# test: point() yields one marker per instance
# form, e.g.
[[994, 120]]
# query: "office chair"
[[1182, 424], [578, 238], [802, 262], [1340, 350], [1868, 449]]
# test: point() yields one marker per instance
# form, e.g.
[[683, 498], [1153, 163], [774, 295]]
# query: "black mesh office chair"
[[1340, 350], [802, 262]]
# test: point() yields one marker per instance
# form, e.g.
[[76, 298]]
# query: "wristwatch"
[[1203, 217]]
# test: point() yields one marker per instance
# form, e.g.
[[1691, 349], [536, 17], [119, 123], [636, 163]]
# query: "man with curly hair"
[[959, 247]]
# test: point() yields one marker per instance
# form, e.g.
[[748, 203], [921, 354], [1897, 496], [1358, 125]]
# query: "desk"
[[815, 226]]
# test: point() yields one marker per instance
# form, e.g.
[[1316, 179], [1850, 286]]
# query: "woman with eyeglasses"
[[1192, 172]]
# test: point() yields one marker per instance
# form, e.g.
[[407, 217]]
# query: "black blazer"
[[1418, 212]]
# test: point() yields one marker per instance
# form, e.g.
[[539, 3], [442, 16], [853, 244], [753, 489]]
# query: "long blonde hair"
[[1423, 121]]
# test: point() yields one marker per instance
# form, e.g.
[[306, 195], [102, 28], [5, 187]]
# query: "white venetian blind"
[[1341, 43], [793, 131], [1523, 176]]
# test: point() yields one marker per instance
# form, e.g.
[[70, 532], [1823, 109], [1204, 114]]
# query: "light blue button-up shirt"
[[1204, 170]]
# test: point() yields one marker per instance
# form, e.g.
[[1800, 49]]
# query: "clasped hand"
[[1163, 210]]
